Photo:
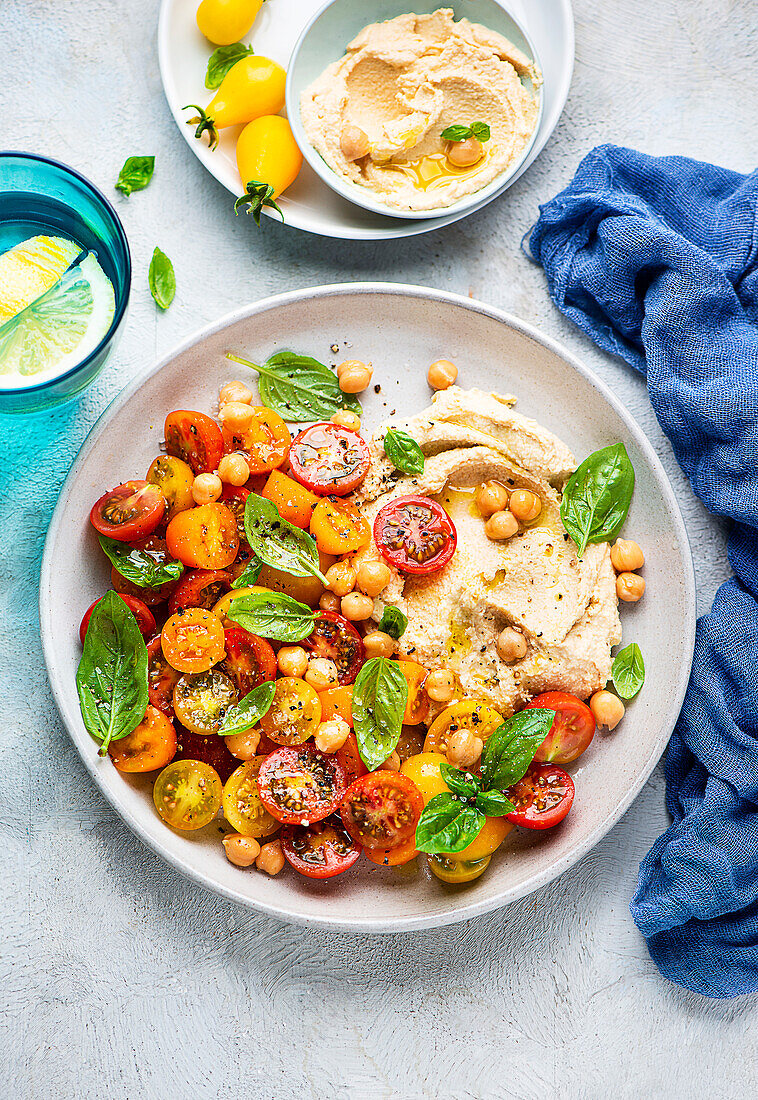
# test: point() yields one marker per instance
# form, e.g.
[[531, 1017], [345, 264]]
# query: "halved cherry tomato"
[[204, 537], [242, 804], [161, 677], [199, 588], [457, 871], [571, 732], [350, 759], [174, 478], [337, 702], [211, 750], [142, 613], [328, 458], [417, 707], [265, 443], [187, 794], [156, 549], [411, 742], [491, 836], [542, 798], [235, 498], [338, 527], [293, 501], [469, 714], [195, 439], [321, 850], [415, 534], [381, 809], [193, 640], [301, 784], [338, 640], [249, 659], [393, 857], [150, 746], [202, 699], [424, 770], [130, 511], [295, 713]]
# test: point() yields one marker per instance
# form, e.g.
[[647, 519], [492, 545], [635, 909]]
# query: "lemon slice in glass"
[[29, 269]]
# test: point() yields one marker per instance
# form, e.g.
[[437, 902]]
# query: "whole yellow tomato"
[[253, 87], [226, 21], [268, 160]]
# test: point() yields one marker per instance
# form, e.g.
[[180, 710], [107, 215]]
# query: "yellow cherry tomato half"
[[187, 794], [494, 831], [338, 527], [268, 161], [226, 21], [456, 871], [221, 608], [295, 713], [424, 770], [174, 478], [469, 714], [193, 640], [242, 804], [202, 699]]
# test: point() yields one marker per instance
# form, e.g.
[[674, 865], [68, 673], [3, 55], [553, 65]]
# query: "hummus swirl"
[[403, 82]]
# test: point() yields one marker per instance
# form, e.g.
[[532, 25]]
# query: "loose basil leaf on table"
[[298, 387], [249, 710], [249, 574], [380, 696], [278, 543], [222, 60], [628, 671], [393, 622], [138, 566], [597, 496], [404, 452], [272, 615], [448, 824], [161, 279], [111, 679], [135, 175], [465, 784], [510, 750]]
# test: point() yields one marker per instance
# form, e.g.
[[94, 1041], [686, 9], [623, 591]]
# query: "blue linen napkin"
[[655, 259]]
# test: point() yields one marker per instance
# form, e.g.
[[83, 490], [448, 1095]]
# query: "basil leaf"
[[299, 388], [628, 671], [249, 710], [380, 695], [447, 825], [249, 574], [111, 679], [510, 750], [278, 543], [135, 175], [456, 133], [161, 279], [139, 566], [494, 804], [481, 131], [465, 784], [222, 60], [393, 622], [272, 615], [597, 496], [404, 452]]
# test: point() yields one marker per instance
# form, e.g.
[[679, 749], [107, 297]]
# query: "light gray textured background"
[[121, 980]]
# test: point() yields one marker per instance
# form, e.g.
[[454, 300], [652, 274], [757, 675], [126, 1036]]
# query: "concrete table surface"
[[119, 978]]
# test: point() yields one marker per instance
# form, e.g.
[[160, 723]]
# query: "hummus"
[[566, 607], [403, 82]]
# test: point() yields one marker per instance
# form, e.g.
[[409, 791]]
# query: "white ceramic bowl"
[[401, 329], [325, 39]]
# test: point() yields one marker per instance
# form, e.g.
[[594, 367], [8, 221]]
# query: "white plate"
[[401, 329], [310, 204]]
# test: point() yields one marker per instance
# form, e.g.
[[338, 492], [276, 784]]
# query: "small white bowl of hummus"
[[420, 111]]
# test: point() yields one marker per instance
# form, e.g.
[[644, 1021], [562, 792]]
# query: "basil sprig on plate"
[[139, 566], [161, 279], [272, 615], [222, 60], [461, 132], [380, 696], [135, 175], [249, 710], [278, 543], [404, 452], [298, 387], [111, 680], [628, 671], [597, 496], [450, 822], [393, 622]]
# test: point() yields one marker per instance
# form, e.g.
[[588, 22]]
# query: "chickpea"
[[629, 587], [332, 735], [607, 709], [356, 607], [525, 506], [511, 645], [340, 578], [206, 488], [354, 142], [355, 376], [242, 851], [329, 602], [464, 154], [235, 391], [392, 763], [626, 556], [501, 525], [464, 748], [292, 660], [373, 577], [440, 685], [271, 858], [491, 497], [347, 419], [233, 469], [321, 673], [236, 416], [244, 745], [378, 644], [442, 374]]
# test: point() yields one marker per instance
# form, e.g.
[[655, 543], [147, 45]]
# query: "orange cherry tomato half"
[[174, 478], [150, 746], [199, 588], [193, 640], [155, 548], [338, 527], [328, 458], [321, 850], [381, 809], [249, 659], [195, 439], [335, 638], [417, 707], [265, 443], [571, 732], [542, 798], [337, 703], [299, 785], [141, 612], [294, 502], [415, 534], [393, 857], [295, 713], [204, 537], [161, 677], [130, 511]]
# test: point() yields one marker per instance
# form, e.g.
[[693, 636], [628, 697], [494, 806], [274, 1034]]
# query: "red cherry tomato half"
[[199, 588], [249, 659], [570, 733], [327, 458], [161, 677], [234, 497], [299, 785], [211, 750], [195, 438], [128, 512], [542, 798], [350, 759], [415, 534], [381, 809], [321, 850], [336, 638], [140, 610]]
